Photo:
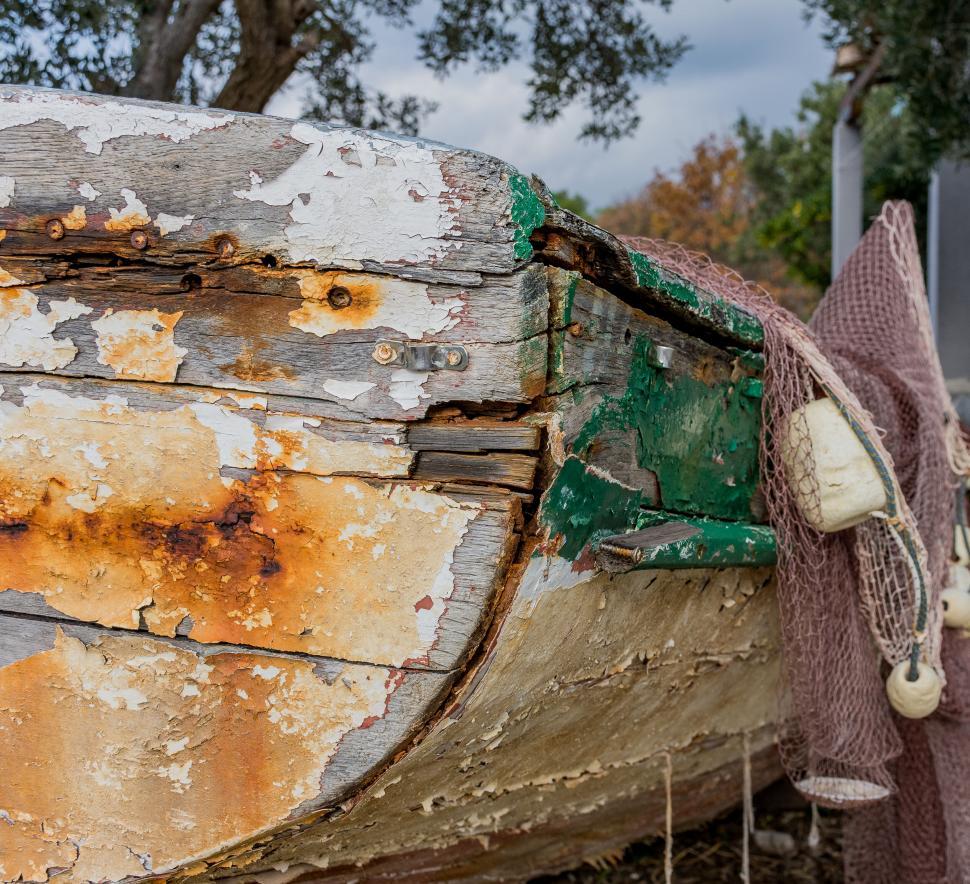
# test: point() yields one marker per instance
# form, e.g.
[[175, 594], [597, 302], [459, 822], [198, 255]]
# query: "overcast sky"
[[751, 55]]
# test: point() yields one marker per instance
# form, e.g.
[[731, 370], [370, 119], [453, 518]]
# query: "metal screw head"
[[384, 353], [55, 228], [661, 357], [225, 248], [453, 357], [339, 297], [139, 239]]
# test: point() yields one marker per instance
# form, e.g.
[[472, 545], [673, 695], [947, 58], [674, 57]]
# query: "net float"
[[914, 698], [848, 486]]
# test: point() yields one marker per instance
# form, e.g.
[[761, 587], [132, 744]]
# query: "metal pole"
[[846, 191], [933, 251]]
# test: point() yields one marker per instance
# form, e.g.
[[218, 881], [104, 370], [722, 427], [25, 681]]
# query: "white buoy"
[[914, 699], [849, 486], [959, 546], [959, 577], [956, 607]]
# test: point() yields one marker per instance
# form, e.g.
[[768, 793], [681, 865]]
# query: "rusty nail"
[[453, 357], [384, 353], [139, 239], [338, 297], [225, 248], [55, 229]]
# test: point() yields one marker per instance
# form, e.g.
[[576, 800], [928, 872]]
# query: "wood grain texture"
[[686, 435], [127, 754], [270, 186], [499, 468], [245, 564], [249, 330], [590, 680], [568, 241]]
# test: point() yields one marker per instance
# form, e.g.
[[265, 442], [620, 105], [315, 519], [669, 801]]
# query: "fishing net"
[[849, 598]]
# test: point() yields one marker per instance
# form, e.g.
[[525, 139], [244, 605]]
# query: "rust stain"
[[8, 279], [76, 219], [133, 214], [365, 299], [131, 756], [250, 367], [707, 371], [119, 516], [139, 344], [26, 334], [336, 301]]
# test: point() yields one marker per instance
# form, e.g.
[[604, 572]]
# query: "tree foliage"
[[574, 202], [927, 59], [790, 170], [237, 54], [709, 205]]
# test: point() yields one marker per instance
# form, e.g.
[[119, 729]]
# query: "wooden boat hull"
[[362, 514]]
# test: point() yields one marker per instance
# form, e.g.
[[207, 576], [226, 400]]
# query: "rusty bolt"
[[225, 248], [575, 329], [384, 354], [338, 297], [55, 228], [139, 239], [453, 357]]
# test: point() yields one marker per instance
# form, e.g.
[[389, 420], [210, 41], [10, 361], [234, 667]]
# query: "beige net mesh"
[[848, 598]]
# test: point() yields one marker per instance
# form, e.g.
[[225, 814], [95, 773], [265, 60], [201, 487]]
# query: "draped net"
[[849, 601]]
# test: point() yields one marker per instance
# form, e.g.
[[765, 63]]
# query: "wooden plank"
[[554, 731], [137, 323], [473, 436], [126, 754], [668, 542], [500, 468], [145, 518], [195, 179], [568, 241], [686, 435]]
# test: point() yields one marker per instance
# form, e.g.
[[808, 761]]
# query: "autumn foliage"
[[709, 205]]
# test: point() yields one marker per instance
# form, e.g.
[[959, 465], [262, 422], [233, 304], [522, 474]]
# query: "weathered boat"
[[363, 514]]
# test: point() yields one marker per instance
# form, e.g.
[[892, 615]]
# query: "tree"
[[791, 171], [574, 202], [237, 53], [708, 206], [927, 59]]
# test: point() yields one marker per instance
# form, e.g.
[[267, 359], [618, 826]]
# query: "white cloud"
[[751, 55]]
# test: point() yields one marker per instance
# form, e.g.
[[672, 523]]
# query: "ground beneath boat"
[[712, 853]]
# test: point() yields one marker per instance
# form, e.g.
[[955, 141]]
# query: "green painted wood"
[[699, 437], [690, 543], [565, 240], [584, 508]]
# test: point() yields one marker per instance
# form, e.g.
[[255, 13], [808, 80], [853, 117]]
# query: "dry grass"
[[711, 854]]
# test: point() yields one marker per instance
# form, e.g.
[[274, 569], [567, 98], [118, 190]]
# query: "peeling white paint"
[[26, 334], [139, 344], [97, 122], [134, 213], [90, 500], [7, 185], [348, 390], [8, 279], [394, 207], [399, 304], [406, 387], [88, 191], [550, 573], [167, 224]]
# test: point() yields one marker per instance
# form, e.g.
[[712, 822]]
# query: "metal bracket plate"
[[421, 357]]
